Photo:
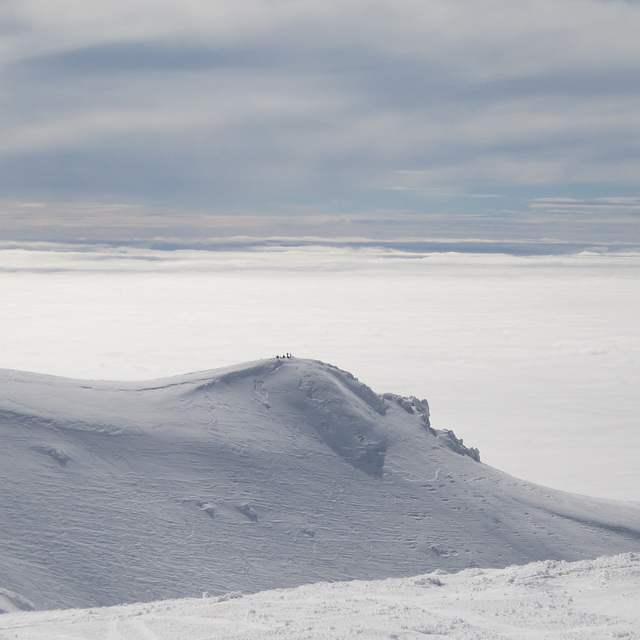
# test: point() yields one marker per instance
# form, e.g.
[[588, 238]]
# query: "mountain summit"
[[268, 474]]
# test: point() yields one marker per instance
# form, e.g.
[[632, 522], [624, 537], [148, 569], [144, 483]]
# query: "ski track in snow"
[[593, 599]]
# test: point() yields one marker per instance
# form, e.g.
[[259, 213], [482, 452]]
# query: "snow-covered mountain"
[[270, 474]]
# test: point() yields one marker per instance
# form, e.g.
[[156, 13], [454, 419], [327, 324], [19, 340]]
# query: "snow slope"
[[591, 599], [270, 474]]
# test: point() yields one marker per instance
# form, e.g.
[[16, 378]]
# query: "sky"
[[404, 119]]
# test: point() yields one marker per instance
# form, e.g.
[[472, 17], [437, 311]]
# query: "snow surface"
[[592, 599], [269, 474]]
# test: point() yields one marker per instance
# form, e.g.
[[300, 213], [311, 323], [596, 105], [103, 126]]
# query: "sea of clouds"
[[534, 360]]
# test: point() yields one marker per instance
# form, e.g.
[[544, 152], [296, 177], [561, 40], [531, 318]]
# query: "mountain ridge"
[[271, 473]]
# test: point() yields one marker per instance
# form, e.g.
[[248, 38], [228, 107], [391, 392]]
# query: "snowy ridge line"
[[446, 436], [269, 474], [591, 599]]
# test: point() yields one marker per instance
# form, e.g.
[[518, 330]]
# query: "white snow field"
[[592, 599], [270, 474]]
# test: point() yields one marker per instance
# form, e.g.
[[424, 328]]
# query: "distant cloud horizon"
[[551, 226]]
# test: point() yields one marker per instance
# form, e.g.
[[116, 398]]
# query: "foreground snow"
[[588, 599]]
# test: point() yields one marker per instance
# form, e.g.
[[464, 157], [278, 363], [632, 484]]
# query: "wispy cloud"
[[612, 205]]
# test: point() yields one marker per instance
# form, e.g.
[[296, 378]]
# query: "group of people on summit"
[[287, 356]]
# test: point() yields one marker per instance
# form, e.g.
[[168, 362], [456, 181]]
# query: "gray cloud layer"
[[346, 107]]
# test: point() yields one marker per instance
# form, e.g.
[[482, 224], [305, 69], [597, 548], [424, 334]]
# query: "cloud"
[[618, 206], [270, 105]]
